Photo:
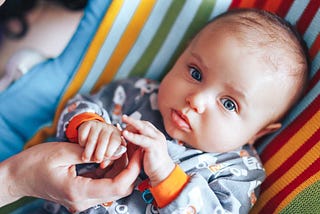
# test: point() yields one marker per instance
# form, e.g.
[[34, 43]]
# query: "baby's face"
[[219, 94]]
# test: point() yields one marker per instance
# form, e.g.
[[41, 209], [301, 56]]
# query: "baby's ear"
[[266, 130]]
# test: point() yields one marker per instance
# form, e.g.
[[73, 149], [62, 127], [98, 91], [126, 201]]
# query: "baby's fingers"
[[138, 139], [142, 127], [90, 145]]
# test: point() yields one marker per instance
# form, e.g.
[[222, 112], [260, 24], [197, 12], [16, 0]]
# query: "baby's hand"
[[156, 160], [102, 142]]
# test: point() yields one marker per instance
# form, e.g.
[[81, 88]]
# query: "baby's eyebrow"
[[198, 57], [238, 92]]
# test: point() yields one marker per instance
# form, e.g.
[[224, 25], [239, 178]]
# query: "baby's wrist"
[[162, 174], [167, 190]]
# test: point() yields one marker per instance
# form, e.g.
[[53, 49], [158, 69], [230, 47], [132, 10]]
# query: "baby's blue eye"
[[229, 104], [195, 73]]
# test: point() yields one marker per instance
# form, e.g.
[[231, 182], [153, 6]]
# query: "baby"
[[232, 84]]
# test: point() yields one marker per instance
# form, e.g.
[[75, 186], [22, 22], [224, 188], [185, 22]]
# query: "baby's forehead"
[[272, 44]]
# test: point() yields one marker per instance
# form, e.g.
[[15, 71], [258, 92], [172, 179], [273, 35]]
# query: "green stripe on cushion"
[[202, 16], [308, 201], [173, 39], [142, 65], [147, 33]]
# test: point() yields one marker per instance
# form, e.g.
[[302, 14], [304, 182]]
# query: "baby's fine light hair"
[[274, 36]]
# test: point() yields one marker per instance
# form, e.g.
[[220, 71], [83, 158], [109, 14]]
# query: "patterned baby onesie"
[[218, 182]]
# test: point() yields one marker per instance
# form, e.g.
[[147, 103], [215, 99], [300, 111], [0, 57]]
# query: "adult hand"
[[48, 171]]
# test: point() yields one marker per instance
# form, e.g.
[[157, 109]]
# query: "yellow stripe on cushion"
[[313, 179], [126, 42], [293, 143], [289, 175], [82, 73]]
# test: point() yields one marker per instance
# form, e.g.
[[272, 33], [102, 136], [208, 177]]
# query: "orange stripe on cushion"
[[82, 73], [294, 143], [270, 199], [307, 16], [298, 189], [272, 6], [288, 185], [308, 145], [91, 54], [126, 42], [282, 138], [247, 3]]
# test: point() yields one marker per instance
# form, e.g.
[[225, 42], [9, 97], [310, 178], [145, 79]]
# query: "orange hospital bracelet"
[[72, 132], [169, 189]]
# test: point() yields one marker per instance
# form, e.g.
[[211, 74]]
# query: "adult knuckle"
[[122, 190], [72, 196]]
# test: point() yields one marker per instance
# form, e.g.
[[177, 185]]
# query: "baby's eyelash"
[[195, 73], [229, 104]]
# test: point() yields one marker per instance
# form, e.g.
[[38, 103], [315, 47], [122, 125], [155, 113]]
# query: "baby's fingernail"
[[84, 158], [119, 127], [97, 160], [104, 164]]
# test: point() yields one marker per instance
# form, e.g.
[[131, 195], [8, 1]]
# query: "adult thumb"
[[65, 153]]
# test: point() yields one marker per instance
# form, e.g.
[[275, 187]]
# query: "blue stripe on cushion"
[[112, 40], [313, 29], [315, 65], [220, 7], [147, 34], [296, 10], [173, 39], [291, 116]]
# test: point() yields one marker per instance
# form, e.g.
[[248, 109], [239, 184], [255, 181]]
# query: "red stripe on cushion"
[[314, 139], [315, 47], [307, 16], [277, 199], [234, 4], [290, 130], [259, 4], [315, 79], [284, 8]]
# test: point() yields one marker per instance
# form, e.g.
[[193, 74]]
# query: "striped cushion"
[[144, 37]]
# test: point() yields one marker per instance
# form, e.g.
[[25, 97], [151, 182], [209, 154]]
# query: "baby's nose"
[[197, 102]]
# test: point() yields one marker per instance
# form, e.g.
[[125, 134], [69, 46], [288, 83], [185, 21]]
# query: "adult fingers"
[[116, 187], [63, 153]]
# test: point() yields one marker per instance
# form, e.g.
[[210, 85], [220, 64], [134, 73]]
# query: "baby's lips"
[[120, 151]]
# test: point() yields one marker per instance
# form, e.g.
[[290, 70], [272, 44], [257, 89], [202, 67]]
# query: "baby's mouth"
[[180, 120]]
